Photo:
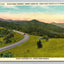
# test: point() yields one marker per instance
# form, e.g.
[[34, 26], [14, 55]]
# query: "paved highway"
[[25, 38]]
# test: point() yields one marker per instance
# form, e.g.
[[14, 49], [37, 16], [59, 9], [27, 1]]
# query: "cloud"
[[33, 6], [45, 6], [10, 6], [42, 6]]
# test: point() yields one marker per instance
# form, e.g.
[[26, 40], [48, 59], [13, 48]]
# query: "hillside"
[[34, 27], [59, 24], [8, 37]]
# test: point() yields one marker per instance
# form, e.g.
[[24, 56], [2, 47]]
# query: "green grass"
[[53, 48], [1, 28], [14, 39]]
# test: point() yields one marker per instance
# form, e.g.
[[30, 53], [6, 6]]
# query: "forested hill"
[[34, 27]]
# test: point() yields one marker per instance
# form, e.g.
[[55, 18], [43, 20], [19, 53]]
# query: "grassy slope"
[[1, 28], [52, 48], [16, 38]]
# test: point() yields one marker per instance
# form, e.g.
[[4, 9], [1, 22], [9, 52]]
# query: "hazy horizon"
[[43, 13]]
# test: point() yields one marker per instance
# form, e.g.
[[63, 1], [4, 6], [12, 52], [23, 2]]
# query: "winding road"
[[25, 38]]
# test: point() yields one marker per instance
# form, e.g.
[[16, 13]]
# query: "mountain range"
[[34, 27]]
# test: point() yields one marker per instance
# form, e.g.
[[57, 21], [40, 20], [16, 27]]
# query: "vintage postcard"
[[32, 31]]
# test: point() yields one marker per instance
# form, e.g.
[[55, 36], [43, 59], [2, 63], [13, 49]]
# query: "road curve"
[[25, 38]]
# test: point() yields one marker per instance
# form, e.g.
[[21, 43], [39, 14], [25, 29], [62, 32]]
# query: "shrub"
[[6, 54]]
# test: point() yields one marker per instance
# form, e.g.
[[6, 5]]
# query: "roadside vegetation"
[[8, 37]]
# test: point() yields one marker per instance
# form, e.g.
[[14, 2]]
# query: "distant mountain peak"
[[34, 20]]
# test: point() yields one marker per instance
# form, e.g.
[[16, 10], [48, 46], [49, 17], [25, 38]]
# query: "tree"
[[44, 37], [7, 40], [39, 44]]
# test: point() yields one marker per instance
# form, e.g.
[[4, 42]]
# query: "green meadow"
[[53, 48]]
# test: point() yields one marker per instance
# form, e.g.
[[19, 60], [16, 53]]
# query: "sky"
[[43, 13]]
